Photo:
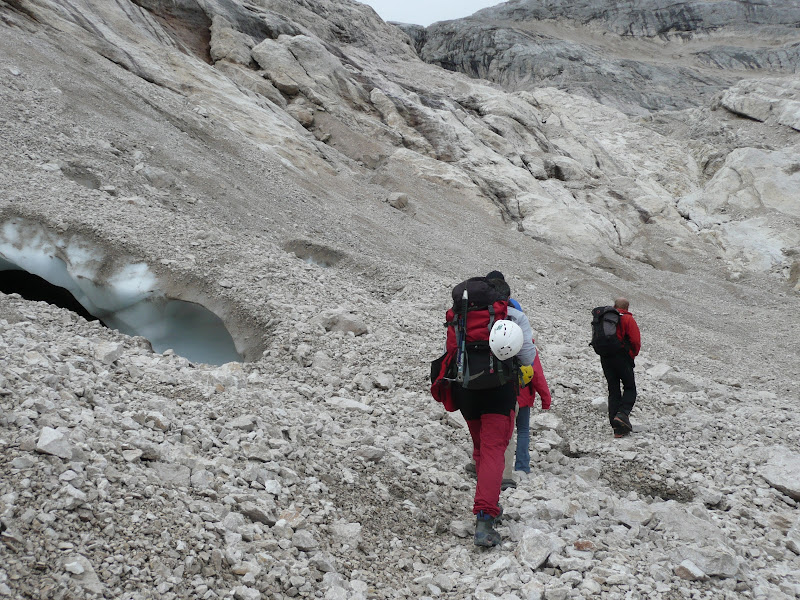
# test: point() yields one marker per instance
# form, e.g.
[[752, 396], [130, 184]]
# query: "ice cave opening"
[[35, 288], [67, 272]]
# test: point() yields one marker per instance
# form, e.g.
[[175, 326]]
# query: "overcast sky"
[[425, 12]]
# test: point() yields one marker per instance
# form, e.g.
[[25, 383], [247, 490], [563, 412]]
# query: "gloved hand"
[[525, 375]]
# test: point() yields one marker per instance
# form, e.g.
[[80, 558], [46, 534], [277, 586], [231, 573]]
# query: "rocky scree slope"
[[679, 62], [330, 102], [325, 470]]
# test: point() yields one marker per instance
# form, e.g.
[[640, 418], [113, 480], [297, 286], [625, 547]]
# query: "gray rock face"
[[766, 100], [614, 54], [598, 48], [650, 18], [525, 60]]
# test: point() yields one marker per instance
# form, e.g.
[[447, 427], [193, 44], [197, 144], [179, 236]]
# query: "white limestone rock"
[[340, 320], [682, 382], [398, 200], [347, 533], [323, 562], [793, 538], [54, 442], [765, 99], [711, 559], [782, 471], [545, 420], [82, 572], [348, 403], [132, 455], [304, 540], [742, 203], [658, 371], [600, 404], [302, 112], [259, 512], [461, 528], [633, 513], [228, 43], [675, 521], [536, 546], [689, 571], [371, 453], [108, 352], [202, 480], [243, 592], [384, 381], [321, 361], [172, 474], [244, 422]]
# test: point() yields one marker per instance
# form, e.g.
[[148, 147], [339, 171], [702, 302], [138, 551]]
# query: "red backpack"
[[467, 360]]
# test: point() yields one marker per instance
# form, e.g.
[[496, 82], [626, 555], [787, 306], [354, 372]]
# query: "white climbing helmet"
[[505, 339]]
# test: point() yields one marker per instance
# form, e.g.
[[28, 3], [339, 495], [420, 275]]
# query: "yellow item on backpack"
[[525, 374]]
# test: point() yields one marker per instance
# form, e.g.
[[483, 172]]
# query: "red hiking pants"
[[490, 436]]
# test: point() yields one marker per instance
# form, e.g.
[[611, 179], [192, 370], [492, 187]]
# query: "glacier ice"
[[123, 295]]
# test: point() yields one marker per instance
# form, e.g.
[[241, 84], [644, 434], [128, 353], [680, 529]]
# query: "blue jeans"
[[523, 459]]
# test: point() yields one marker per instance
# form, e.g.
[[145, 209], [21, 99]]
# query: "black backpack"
[[468, 361], [605, 320]]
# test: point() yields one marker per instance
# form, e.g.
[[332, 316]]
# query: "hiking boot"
[[508, 484], [485, 533], [622, 422]]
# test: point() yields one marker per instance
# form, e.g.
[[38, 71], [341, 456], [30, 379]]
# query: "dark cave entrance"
[[35, 288], [188, 328]]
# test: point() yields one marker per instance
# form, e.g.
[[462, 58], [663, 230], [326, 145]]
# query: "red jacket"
[[537, 385], [630, 330]]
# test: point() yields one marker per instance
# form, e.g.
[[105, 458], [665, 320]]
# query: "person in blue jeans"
[[518, 454], [526, 399]]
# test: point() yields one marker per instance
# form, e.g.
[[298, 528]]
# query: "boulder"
[[536, 546], [793, 538], [689, 571], [55, 442], [228, 43], [782, 471], [340, 320], [545, 420], [398, 200], [172, 474], [711, 559]]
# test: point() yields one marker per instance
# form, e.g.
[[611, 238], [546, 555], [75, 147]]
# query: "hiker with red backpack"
[[616, 338], [486, 342], [517, 455]]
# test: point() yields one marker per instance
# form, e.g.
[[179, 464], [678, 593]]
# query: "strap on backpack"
[[491, 355]]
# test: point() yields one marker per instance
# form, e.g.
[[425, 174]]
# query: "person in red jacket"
[[518, 455], [618, 370]]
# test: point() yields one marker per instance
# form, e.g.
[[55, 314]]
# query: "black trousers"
[[618, 369], [495, 401]]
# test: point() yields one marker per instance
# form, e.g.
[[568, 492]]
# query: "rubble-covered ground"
[[324, 469]]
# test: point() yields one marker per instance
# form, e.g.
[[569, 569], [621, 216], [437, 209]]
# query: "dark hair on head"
[[502, 287]]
